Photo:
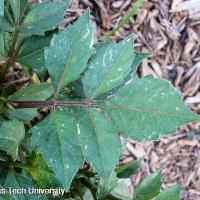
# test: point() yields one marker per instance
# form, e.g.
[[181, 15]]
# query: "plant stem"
[[52, 103], [11, 55], [125, 19], [40, 104]]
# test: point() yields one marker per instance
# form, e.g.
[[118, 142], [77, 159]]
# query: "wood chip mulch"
[[170, 30]]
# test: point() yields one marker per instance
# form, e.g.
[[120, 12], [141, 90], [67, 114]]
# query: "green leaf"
[[134, 109], [172, 193], [2, 8], [127, 170], [2, 51], [77, 86], [5, 25], [15, 180], [139, 56], [7, 41], [12, 133], [34, 92], [108, 68], [42, 175], [25, 114], [18, 9], [149, 187], [86, 196], [137, 60], [104, 188], [32, 52], [5, 195], [43, 17], [96, 136], [55, 139], [8, 14], [122, 190], [69, 52], [3, 156]]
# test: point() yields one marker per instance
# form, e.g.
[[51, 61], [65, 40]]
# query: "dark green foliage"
[[127, 170]]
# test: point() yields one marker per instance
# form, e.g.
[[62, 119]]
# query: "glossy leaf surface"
[[55, 138], [12, 133], [134, 109], [43, 17], [108, 68], [68, 54], [172, 193], [149, 187], [95, 133]]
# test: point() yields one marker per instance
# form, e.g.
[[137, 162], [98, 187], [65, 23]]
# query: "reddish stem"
[[52, 103]]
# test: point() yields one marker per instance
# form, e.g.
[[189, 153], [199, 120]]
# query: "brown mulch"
[[170, 30]]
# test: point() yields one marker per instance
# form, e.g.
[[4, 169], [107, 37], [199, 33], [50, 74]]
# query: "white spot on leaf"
[[78, 129]]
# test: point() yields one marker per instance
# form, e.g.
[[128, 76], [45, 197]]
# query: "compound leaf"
[[55, 139], [43, 17], [34, 92], [15, 180], [32, 52], [134, 109], [149, 187], [68, 54], [96, 136], [108, 68], [172, 193], [12, 133]]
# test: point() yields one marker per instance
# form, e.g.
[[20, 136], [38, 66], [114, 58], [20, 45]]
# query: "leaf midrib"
[[10, 139], [96, 134], [125, 108], [68, 61], [33, 94], [59, 140], [29, 54], [103, 81], [24, 25]]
